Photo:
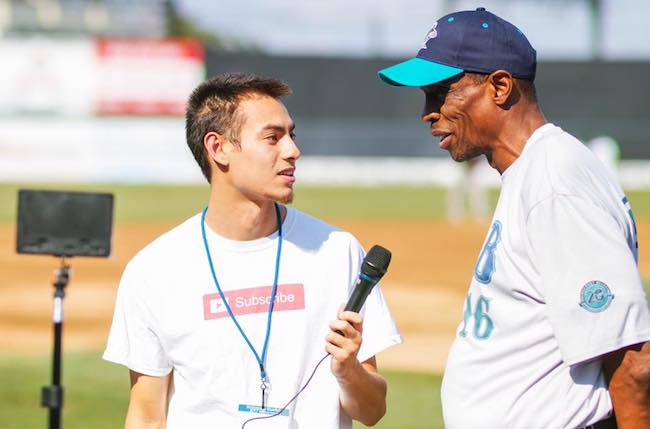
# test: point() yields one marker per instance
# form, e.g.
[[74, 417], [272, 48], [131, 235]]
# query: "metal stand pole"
[[52, 396]]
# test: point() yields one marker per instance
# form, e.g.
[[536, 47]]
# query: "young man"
[[224, 318], [556, 313]]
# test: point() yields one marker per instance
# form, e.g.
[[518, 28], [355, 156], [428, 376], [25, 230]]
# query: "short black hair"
[[213, 106], [526, 87]]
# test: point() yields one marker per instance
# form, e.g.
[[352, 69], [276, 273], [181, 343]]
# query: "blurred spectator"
[[608, 151], [468, 183]]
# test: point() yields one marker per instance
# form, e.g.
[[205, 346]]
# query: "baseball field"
[[425, 288]]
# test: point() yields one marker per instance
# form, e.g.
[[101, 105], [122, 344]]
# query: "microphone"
[[373, 268]]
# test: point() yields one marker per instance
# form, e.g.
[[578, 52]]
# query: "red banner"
[[147, 77]]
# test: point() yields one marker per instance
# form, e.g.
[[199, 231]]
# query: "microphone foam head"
[[376, 262]]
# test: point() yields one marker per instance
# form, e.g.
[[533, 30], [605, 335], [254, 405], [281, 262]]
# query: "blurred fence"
[[153, 150], [111, 111]]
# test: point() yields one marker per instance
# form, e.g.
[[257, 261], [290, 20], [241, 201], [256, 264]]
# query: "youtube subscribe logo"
[[254, 300]]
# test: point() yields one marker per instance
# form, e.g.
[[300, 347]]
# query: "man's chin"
[[458, 157], [285, 198], [463, 156]]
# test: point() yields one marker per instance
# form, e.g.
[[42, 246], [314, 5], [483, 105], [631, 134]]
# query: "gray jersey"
[[555, 286]]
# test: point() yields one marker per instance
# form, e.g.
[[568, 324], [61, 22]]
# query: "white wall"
[[153, 150]]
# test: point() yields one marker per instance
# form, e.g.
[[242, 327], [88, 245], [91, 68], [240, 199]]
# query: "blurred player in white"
[[556, 317], [607, 151], [468, 182]]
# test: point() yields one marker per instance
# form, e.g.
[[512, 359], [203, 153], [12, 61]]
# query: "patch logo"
[[254, 300], [595, 296]]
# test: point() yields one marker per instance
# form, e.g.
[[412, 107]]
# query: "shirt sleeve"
[[133, 341], [593, 293], [379, 328]]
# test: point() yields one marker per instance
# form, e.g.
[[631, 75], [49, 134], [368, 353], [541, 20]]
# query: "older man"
[[556, 313]]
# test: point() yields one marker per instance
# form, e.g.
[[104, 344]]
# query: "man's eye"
[[272, 138], [293, 136], [441, 93]]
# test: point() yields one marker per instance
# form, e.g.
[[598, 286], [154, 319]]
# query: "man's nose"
[[430, 110], [430, 116], [291, 150]]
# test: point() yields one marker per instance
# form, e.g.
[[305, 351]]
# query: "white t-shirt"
[[170, 318], [555, 286]]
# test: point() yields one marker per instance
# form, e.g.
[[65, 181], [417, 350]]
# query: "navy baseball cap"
[[468, 41]]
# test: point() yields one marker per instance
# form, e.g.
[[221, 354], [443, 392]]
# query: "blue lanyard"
[[262, 360]]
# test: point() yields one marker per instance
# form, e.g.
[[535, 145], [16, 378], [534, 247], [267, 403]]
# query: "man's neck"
[[238, 218], [510, 142]]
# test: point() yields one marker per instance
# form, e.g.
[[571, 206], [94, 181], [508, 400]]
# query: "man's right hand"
[[628, 372]]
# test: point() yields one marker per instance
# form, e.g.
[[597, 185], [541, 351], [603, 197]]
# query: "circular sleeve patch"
[[595, 296]]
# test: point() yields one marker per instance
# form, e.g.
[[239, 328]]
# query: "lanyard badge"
[[261, 360]]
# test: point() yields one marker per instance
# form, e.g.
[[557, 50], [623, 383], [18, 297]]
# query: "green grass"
[[372, 202], [413, 402], [177, 202], [174, 202], [96, 395], [640, 201], [96, 392], [132, 203]]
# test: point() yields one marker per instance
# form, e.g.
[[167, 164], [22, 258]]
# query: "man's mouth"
[[288, 174], [445, 139]]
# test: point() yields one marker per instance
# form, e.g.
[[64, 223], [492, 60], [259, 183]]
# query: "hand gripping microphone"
[[373, 268]]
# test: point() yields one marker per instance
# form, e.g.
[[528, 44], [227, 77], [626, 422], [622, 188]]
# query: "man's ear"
[[216, 146], [501, 84]]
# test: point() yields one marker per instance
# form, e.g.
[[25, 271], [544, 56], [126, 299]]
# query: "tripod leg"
[[52, 396]]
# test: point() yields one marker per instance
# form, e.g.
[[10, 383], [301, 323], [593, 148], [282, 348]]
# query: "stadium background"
[[82, 112]]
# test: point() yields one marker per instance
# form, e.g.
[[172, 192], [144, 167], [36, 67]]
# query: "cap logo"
[[432, 34], [595, 296]]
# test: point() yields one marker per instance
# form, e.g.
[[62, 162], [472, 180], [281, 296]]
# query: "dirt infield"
[[425, 287]]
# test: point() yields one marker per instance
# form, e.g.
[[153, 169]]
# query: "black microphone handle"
[[361, 291]]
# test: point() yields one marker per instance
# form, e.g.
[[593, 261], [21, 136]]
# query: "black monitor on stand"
[[62, 224]]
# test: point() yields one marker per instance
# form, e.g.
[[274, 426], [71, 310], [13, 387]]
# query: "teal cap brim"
[[417, 72]]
